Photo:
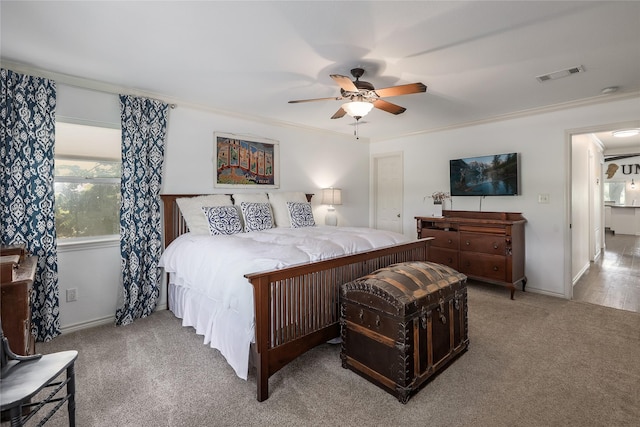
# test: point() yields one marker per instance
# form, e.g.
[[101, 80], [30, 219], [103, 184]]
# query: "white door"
[[387, 191]]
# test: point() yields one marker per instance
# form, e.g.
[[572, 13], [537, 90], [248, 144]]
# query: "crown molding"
[[100, 86], [524, 113]]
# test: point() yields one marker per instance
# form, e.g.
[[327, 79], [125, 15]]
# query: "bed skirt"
[[206, 316]]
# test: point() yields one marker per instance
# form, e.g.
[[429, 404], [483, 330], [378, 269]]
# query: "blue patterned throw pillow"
[[301, 215], [222, 220], [257, 216]]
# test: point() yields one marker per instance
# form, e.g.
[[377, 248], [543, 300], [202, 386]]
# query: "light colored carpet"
[[535, 361]]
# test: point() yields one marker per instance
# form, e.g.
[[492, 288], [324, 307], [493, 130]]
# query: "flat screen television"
[[495, 175]]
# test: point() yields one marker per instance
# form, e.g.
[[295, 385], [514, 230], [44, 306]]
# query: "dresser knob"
[[468, 243], [495, 268], [495, 246], [450, 241], [361, 315], [378, 321]]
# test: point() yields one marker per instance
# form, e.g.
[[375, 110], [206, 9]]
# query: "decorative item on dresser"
[[439, 197], [404, 323], [18, 273], [486, 246]]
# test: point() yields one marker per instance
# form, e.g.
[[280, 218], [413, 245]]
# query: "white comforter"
[[214, 268]]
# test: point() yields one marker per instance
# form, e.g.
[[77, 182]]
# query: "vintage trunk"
[[404, 323]]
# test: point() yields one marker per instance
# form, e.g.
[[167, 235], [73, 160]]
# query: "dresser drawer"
[[448, 257], [485, 243], [442, 238], [482, 265]]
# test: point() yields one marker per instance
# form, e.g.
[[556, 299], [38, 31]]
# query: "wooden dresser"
[[485, 246], [15, 303]]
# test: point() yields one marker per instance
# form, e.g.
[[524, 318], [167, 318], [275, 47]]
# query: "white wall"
[[544, 146], [309, 161]]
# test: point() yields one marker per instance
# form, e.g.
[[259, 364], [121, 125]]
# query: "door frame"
[[569, 133]]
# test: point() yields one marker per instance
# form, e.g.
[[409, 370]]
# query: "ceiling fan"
[[363, 96]]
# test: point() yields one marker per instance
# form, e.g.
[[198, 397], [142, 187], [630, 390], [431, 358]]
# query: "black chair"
[[22, 377]]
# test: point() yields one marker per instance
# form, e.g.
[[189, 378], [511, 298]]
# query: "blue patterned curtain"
[[27, 110], [144, 123]]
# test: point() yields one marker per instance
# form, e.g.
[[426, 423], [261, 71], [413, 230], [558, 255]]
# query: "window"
[[87, 181], [614, 192]]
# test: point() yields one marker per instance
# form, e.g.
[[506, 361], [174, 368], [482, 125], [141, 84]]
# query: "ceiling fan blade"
[[344, 82], [388, 107], [333, 98], [401, 90], [339, 113]]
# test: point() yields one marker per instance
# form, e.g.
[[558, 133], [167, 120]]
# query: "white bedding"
[[211, 293]]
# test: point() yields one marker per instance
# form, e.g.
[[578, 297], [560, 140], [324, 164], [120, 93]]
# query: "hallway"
[[614, 279]]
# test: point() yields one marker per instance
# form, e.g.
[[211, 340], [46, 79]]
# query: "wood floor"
[[614, 279]]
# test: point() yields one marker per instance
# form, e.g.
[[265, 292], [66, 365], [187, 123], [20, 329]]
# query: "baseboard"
[[88, 324], [97, 322], [598, 254], [541, 292], [580, 273]]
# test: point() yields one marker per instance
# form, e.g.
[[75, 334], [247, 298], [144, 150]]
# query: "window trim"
[[70, 244]]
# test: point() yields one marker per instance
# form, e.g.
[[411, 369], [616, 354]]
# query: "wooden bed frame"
[[296, 308]]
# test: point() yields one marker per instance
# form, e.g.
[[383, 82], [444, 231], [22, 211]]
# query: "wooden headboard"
[[174, 223]]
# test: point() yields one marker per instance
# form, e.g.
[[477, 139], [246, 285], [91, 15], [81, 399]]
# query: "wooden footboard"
[[296, 308]]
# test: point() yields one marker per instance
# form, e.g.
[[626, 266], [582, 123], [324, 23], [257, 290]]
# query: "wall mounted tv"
[[495, 175]]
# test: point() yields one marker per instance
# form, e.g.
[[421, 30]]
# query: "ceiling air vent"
[[559, 74]]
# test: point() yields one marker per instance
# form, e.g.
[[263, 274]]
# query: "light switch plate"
[[543, 198], [72, 294]]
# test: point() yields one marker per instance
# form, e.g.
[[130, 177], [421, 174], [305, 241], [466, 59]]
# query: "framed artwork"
[[246, 161]]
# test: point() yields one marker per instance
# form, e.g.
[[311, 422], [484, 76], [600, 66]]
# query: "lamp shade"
[[331, 196], [357, 108]]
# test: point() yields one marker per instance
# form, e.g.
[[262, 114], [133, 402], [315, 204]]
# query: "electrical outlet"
[[72, 294], [543, 198]]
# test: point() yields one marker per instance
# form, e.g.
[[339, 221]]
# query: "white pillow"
[[223, 220], [257, 216], [191, 208], [301, 215], [250, 198], [279, 205]]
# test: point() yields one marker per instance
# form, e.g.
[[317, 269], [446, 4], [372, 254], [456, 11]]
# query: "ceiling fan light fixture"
[[624, 133], [357, 108]]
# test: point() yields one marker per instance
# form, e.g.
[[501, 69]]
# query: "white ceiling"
[[478, 59]]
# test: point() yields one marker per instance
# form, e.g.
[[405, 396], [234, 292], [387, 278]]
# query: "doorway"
[[604, 266]]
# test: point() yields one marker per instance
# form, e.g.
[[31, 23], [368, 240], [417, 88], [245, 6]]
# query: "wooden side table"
[[15, 306]]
